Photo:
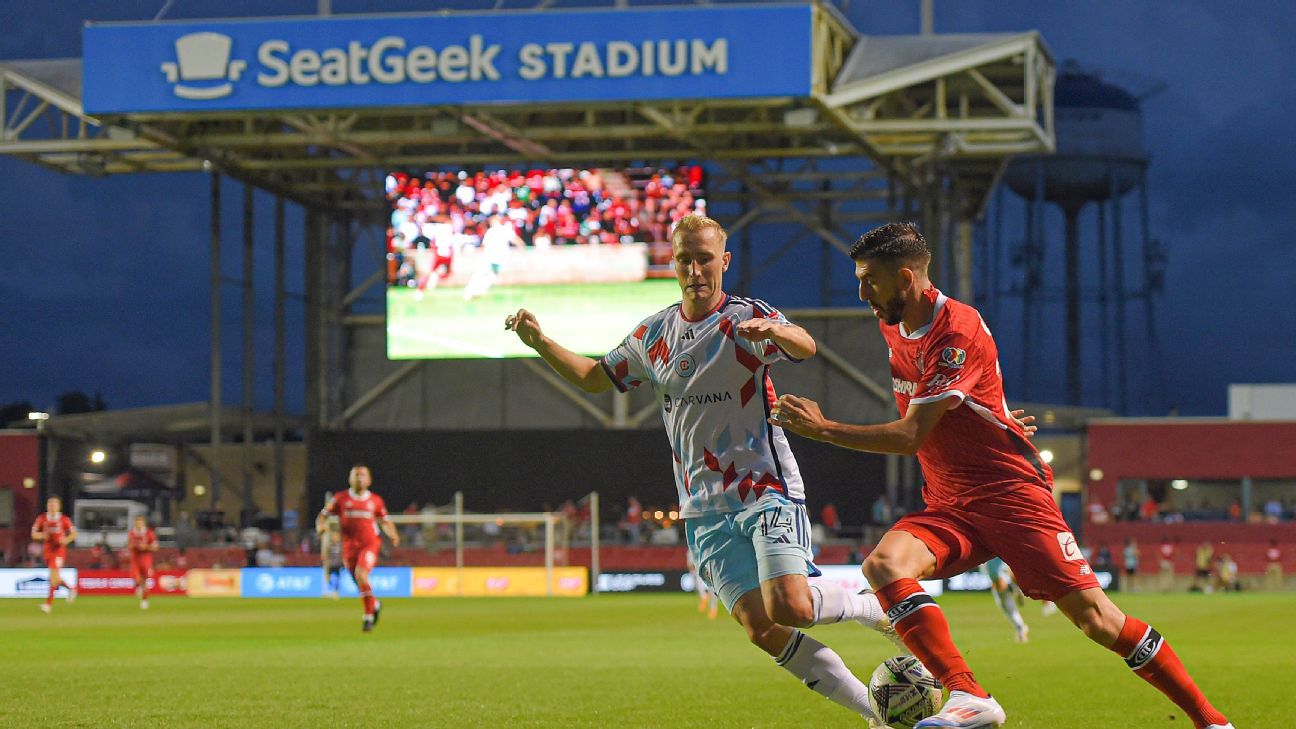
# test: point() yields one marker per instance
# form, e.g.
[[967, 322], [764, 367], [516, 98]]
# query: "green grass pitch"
[[586, 318], [604, 661]]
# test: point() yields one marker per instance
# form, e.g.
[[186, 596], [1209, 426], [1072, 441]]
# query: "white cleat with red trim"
[[965, 711], [1220, 726]]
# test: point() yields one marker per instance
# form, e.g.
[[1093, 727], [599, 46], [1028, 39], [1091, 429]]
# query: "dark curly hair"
[[893, 242]]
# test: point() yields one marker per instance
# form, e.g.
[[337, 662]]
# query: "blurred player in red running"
[[141, 542], [56, 531], [360, 512], [988, 492]]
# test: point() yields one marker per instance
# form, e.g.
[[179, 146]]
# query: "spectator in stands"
[[1204, 557], [1226, 574], [1098, 513], [410, 532], [1273, 568], [1102, 561], [1167, 553], [1273, 511], [1131, 558], [831, 521], [1150, 509], [633, 521], [882, 514], [1235, 511]]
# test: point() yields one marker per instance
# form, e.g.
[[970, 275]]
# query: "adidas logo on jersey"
[[687, 335]]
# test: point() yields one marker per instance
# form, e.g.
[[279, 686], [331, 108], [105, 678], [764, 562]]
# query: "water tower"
[[1100, 158]]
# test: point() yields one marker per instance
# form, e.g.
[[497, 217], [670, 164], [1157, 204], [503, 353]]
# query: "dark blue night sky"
[[105, 281]]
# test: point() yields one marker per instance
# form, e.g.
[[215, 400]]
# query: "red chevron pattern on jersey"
[[745, 486], [745, 358]]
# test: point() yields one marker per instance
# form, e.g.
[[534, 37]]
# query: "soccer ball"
[[902, 692]]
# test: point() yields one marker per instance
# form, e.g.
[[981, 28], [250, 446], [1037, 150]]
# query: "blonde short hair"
[[694, 223]]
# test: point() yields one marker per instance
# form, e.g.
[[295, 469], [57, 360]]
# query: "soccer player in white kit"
[[707, 359], [499, 237]]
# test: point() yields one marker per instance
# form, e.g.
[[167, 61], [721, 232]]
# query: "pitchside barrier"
[[299, 582]]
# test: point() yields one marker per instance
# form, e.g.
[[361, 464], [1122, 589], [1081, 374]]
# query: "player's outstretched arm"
[[71, 536], [577, 369], [791, 338], [904, 436], [390, 530]]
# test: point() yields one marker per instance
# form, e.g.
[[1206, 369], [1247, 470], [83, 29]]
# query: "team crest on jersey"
[[685, 366], [953, 357]]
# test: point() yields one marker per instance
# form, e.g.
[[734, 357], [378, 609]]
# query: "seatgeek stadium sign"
[[416, 60]]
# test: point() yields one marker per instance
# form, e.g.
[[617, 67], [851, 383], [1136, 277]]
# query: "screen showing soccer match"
[[586, 250]]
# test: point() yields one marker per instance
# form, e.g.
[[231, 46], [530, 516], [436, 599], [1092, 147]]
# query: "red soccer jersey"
[[139, 543], [359, 515], [977, 446], [55, 527]]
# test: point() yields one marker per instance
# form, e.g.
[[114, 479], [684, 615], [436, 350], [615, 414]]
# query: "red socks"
[[922, 625], [366, 595], [1152, 659], [49, 599]]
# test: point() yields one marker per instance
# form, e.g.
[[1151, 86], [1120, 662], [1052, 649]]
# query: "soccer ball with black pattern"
[[902, 692]]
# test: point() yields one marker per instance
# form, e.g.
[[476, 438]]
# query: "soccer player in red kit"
[[141, 542], [360, 512], [56, 531], [988, 493]]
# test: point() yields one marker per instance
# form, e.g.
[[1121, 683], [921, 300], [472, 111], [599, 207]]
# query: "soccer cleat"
[[143, 604], [965, 711], [377, 611], [367, 625], [45, 608], [883, 625], [71, 596], [1220, 726], [1048, 608], [1023, 634]]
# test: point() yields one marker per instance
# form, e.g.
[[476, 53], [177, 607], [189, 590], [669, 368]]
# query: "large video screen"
[[586, 250]]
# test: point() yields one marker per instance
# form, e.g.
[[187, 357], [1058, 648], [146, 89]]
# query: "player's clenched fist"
[[799, 415], [526, 326]]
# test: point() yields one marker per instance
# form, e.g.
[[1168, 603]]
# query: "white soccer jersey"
[[715, 393]]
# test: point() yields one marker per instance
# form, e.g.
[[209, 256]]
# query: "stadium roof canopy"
[[965, 102]]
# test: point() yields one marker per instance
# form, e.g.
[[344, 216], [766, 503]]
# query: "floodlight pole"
[[215, 404], [248, 511], [279, 360]]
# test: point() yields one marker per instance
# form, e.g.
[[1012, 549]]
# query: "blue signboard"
[[385, 581], [282, 582], [417, 60]]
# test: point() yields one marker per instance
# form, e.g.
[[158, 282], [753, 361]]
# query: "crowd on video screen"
[[440, 213]]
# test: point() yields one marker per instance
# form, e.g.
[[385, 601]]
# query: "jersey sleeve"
[[38, 526], [766, 349], [380, 511], [330, 506], [950, 368], [624, 365]]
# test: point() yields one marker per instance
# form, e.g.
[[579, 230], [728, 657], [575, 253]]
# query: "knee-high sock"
[[1004, 599], [49, 599], [834, 604], [1152, 659], [366, 595], [922, 625], [824, 672]]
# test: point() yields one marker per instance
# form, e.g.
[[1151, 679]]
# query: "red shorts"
[[55, 558], [141, 569], [360, 554], [1024, 527]]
